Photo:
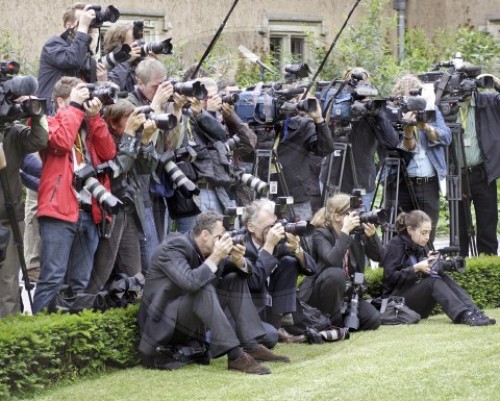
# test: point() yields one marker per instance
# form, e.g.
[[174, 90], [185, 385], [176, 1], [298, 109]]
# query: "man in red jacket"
[[78, 138]]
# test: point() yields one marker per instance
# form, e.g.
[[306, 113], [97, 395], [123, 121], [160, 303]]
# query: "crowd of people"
[[141, 187]]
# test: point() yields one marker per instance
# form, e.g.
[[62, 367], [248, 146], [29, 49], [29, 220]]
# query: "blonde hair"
[[64, 86], [405, 84], [70, 13], [339, 203], [115, 37]]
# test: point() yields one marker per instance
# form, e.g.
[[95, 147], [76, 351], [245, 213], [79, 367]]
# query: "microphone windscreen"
[[20, 86], [416, 103]]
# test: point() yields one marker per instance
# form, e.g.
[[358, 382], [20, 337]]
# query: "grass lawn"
[[434, 360]]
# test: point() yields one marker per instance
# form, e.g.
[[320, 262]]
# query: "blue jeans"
[[210, 201], [148, 242], [67, 251]]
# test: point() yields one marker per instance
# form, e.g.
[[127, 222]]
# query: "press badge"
[[269, 300], [273, 187], [467, 142]]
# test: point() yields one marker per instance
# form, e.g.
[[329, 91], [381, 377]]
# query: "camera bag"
[[394, 311]]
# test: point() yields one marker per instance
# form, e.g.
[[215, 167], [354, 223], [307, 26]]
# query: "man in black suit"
[[194, 277]]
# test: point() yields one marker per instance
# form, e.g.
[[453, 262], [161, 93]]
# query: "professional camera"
[[230, 99], [294, 72], [107, 94], [164, 121], [305, 105], [300, 228], [159, 47], [448, 261], [232, 142], [259, 186], [118, 56], [182, 183], [85, 178], [376, 217], [12, 88], [351, 306], [110, 14], [193, 88], [231, 215]]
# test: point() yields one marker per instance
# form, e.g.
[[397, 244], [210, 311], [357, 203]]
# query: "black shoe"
[[473, 319], [490, 320]]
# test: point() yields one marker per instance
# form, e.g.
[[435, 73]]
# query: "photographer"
[[426, 142], [68, 54], [339, 245], [119, 249], [78, 141], [122, 73], [410, 273], [277, 259], [366, 134], [17, 141], [194, 277], [479, 115]]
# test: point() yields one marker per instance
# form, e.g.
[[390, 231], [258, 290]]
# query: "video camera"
[[377, 217], [448, 261], [85, 178], [11, 88], [110, 14], [165, 121]]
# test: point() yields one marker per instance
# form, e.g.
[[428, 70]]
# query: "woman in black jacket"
[[412, 273], [339, 246]]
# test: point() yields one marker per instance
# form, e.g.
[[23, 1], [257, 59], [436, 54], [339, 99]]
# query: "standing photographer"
[[410, 273], [339, 245], [17, 141], [79, 140]]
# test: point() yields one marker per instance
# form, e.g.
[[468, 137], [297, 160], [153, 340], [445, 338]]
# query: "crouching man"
[[193, 279]]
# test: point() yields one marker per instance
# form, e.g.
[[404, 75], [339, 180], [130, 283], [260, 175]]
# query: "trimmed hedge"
[[38, 351]]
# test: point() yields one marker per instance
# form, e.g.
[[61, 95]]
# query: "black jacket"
[[61, 57], [488, 132], [299, 138], [401, 253], [367, 134], [122, 75]]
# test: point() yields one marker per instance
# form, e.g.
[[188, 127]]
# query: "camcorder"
[[14, 87], [377, 217], [85, 178], [397, 106], [110, 14], [165, 121], [447, 261]]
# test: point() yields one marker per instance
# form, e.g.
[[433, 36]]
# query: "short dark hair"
[[206, 221]]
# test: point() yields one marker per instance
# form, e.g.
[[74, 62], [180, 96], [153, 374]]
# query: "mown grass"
[[434, 360]]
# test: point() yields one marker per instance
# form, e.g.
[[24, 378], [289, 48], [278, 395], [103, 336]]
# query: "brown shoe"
[[246, 364], [262, 354], [285, 337]]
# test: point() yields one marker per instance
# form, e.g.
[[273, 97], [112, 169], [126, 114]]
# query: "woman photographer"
[[413, 274], [339, 245]]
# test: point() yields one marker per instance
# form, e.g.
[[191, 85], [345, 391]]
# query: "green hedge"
[[481, 280], [38, 351]]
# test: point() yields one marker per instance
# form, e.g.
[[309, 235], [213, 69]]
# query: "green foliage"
[[10, 49], [38, 351], [481, 280]]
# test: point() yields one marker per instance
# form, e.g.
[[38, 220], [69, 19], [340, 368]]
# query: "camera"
[[294, 72], [159, 47], [182, 183], [300, 228], [232, 142], [110, 14], [164, 121], [376, 217], [259, 186], [447, 261], [85, 178], [118, 56], [107, 94], [230, 99], [193, 88], [351, 306]]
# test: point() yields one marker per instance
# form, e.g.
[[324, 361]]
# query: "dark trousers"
[[328, 296], [426, 293], [206, 307], [120, 251], [427, 196], [484, 197], [283, 286]]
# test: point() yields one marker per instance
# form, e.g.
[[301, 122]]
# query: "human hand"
[[227, 110], [292, 242], [222, 247], [102, 72], [351, 221], [238, 255], [214, 104], [135, 121], [79, 94], [275, 234], [92, 107], [148, 131], [85, 19], [316, 114], [196, 107], [135, 52], [163, 93], [369, 228], [423, 266]]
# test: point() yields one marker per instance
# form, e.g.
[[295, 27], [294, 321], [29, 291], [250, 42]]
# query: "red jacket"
[[56, 196]]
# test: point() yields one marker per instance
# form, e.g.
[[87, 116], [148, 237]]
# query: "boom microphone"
[[20, 86], [416, 103]]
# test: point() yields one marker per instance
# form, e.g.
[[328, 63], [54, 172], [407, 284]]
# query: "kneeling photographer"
[[343, 237], [118, 247], [421, 278], [277, 260]]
